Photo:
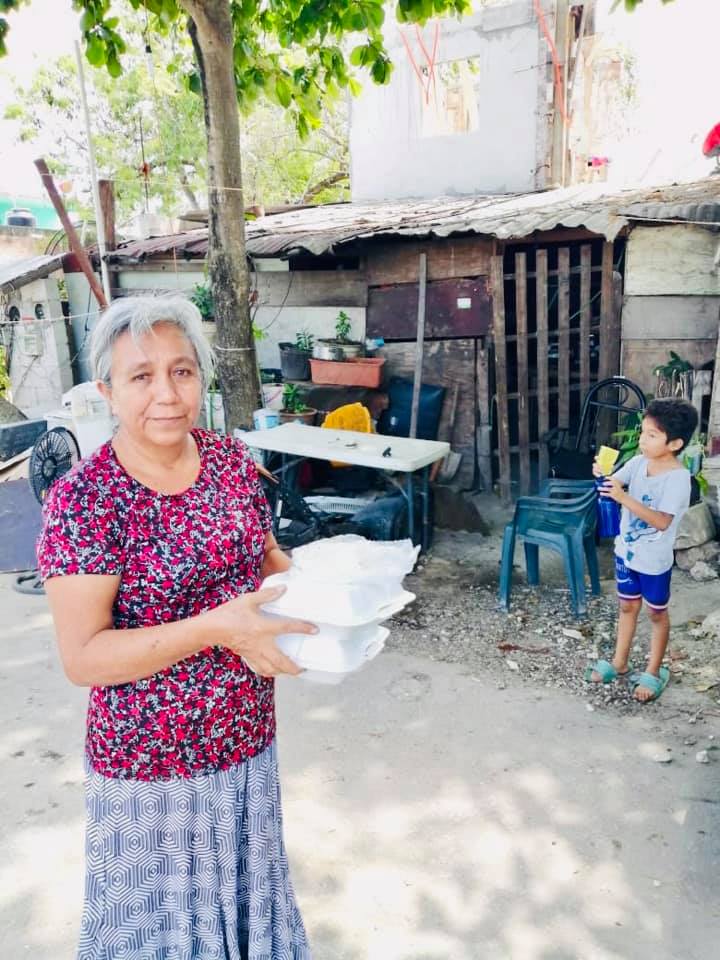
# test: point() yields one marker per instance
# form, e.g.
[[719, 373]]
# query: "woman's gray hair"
[[138, 315]]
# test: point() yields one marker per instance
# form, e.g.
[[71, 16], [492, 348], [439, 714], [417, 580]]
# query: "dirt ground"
[[456, 619], [454, 800]]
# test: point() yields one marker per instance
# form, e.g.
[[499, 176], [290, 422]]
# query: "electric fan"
[[53, 455]]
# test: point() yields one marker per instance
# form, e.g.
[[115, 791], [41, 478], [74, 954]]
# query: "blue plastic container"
[[608, 513]]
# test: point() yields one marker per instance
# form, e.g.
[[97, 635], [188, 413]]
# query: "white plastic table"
[[391, 454]]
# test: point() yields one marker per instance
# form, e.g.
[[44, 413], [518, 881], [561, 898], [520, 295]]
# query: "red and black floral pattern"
[[176, 556]]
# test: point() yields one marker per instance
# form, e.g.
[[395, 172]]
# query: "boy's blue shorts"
[[653, 588]]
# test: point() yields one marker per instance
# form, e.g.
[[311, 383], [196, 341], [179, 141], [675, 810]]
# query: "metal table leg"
[[410, 506], [425, 493]]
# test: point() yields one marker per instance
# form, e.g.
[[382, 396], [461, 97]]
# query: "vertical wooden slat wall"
[[501, 398], [564, 337], [521, 345], [543, 398], [538, 390]]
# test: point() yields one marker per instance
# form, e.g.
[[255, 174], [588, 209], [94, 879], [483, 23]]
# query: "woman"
[[153, 551]]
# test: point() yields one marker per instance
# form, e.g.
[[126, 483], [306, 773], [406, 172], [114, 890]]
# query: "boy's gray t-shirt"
[[641, 547]]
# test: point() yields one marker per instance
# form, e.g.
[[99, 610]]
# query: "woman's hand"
[[241, 626], [597, 472], [612, 489]]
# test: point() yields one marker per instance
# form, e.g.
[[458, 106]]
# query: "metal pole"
[[99, 218]]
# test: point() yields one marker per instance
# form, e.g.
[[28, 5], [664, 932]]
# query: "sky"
[[674, 46], [46, 29]]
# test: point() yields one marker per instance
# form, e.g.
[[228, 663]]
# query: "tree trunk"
[[211, 31]]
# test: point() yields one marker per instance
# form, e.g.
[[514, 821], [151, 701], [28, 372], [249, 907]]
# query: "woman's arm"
[[93, 653], [275, 560]]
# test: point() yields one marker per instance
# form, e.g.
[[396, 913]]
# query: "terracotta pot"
[[362, 372], [307, 416]]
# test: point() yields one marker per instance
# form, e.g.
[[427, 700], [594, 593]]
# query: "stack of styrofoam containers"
[[347, 586]]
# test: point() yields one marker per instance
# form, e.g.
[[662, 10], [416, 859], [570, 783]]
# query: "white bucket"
[[265, 419], [272, 395], [214, 411]]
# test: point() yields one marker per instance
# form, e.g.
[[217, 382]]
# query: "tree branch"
[[324, 184]]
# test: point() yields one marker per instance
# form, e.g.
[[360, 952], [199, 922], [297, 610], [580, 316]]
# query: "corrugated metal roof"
[[320, 229], [18, 273]]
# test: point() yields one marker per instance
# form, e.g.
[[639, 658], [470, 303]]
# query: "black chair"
[[571, 457]]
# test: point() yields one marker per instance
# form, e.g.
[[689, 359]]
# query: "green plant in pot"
[[339, 347], [295, 357], [294, 407], [674, 378], [202, 297]]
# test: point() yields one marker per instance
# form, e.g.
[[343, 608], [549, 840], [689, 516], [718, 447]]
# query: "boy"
[[657, 495]]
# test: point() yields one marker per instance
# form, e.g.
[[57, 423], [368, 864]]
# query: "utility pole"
[[99, 218]]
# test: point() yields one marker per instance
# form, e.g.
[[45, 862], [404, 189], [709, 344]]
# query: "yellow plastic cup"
[[606, 458]]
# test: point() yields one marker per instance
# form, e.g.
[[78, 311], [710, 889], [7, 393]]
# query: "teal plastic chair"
[[562, 519]]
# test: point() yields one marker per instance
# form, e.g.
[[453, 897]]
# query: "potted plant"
[[339, 347], [295, 357], [294, 407], [202, 297]]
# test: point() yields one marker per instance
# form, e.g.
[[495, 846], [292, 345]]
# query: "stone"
[[10, 413], [696, 527], [702, 572], [702, 756], [686, 559], [710, 627]]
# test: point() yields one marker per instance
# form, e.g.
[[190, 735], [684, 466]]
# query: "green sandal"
[[607, 672], [654, 684]]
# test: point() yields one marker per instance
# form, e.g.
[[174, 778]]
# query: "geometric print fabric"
[[192, 868]]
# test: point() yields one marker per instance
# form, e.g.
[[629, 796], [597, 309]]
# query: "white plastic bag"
[[354, 559]]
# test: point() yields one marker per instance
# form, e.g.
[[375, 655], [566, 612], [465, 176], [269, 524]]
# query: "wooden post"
[[71, 233], [484, 430], [107, 205], [609, 319], [564, 337], [521, 346], [607, 422], [501, 391], [585, 318], [543, 401], [419, 345]]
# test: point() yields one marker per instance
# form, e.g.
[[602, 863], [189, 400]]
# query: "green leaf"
[[113, 65], [95, 52], [283, 91], [358, 55], [87, 21]]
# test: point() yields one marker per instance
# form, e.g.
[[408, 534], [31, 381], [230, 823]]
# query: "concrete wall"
[[84, 313], [390, 158], [288, 302], [17, 243], [40, 367], [672, 299]]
